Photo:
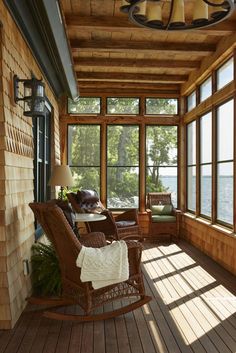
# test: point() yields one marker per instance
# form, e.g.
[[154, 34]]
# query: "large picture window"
[[206, 164], [107, 156], [161, 160], [225, 143], [191, 166], [122, 166], [84, 155]]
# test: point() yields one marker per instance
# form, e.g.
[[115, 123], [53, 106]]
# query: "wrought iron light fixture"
[[177, 14], [33, 96]]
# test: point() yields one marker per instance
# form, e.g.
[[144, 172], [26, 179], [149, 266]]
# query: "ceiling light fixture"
[[177, 14]]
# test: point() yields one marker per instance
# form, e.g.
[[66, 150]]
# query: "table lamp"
[[61, 176]]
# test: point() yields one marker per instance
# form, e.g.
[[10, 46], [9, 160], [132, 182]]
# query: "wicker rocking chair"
[[67, 246]]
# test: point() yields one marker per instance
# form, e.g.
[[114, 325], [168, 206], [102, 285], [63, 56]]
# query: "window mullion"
[[198, 167], [214, 167]]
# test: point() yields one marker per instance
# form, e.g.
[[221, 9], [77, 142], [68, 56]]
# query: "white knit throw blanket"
[[104, 266]]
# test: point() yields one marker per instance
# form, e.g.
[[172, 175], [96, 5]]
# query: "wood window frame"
[[42, 164]]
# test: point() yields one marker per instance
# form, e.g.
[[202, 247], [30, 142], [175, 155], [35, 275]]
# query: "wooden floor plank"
[[174, 340], [193, 310], [211, 298], [201, 313], [133, 335], [189, 335], [191, 313], [170, 336], [76, 336], [110, 333], [121, 331], [65, 333], [52, 336], [199, 277], [30, 334], [99, 335], [144, 332], [19, 333]]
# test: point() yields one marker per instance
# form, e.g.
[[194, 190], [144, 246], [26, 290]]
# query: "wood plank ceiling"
[[111, 54]]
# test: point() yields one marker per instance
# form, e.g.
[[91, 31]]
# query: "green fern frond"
[[46, 274]]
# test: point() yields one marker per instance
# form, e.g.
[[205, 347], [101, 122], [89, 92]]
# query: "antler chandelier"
[[177, 14]]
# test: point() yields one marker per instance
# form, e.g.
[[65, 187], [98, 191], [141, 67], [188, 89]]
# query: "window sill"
[[217, 227]]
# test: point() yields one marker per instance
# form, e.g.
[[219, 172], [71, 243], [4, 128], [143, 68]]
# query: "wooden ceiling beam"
[[123, 25], [128, 85], [149, 63], [130, 77], [130, 93], [203, 49]]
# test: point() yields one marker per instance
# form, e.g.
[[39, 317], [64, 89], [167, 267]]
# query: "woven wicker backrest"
[[158, 198], [60, 233]]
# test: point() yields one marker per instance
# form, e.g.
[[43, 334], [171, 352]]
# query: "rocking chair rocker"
[[67, 247]]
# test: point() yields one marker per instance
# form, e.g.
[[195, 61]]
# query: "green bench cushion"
[[162, 209], [163, 218]]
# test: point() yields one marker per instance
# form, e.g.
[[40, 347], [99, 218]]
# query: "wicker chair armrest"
[[149, 213], [134, 256], [130, 215], [93, 240], [177, 214], [131, 244]]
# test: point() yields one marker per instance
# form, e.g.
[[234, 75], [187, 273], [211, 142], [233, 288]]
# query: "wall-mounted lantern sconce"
[[34, 95]]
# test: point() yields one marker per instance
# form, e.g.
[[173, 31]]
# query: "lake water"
[[224, 192]]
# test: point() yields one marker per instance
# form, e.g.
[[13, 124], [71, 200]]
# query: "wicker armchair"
[[164, 219], [123, 226], [67, 246]]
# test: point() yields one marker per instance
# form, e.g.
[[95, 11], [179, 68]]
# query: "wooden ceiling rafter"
[[203, 49], [128, 77], [123, 25], [150, 63], [112, 54]]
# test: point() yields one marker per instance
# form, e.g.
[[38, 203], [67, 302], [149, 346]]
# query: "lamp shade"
[[61, 176]]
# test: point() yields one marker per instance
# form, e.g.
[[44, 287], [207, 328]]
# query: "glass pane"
[[162, 179], [225, 126], [161, 145], [86, 178], [84, 145], [161, 106], [191, 101], [191, 192], [122, 145], [205, 138], [206, 89], [205, 206], [225, 74], [191, 143], [123, 106], [122, 187], [84, 105], [225, 192]]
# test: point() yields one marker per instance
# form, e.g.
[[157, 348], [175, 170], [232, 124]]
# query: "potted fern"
[[46, 275]]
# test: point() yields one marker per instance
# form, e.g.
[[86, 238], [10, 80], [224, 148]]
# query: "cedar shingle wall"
[[16, 171]]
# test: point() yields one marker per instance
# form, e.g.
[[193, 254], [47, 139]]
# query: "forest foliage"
[[123, 154]]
